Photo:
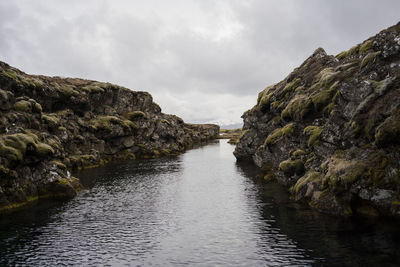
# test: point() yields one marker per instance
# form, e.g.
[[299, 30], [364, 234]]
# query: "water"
[[197, 209]]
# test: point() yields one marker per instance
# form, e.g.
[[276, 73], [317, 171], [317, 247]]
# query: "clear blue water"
[[197, 209]]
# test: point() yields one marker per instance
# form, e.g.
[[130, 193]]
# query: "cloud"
[[202, 60]]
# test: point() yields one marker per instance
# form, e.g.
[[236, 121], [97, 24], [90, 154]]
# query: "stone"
[[346, 123]]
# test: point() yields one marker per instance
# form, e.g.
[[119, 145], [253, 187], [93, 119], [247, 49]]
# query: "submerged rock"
[[330, 130], [49, 125]]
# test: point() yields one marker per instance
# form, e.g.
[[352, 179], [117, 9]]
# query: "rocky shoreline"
[[330, 130], [51, 125]]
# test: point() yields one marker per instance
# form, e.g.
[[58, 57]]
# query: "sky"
[[203, 60]]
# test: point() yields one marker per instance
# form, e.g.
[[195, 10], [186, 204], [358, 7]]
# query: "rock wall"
[[330, 131], [50, 125]]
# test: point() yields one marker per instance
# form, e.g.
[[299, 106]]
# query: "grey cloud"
[[193, 56]]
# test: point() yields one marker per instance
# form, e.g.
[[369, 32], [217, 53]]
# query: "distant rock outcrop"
[[331, 130], [49, 125]]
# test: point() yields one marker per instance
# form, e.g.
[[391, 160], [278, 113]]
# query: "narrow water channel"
[[197, 209]]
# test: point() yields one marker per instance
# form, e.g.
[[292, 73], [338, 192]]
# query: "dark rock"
[[330, 130], [49, 125]]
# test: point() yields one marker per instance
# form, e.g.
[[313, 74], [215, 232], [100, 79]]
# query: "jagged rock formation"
[[49, 125], [331, 129]]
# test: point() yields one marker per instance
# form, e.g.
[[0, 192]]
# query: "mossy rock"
[[369, 59], [37, 108], [10, 153], [342, 173], [23, 106], [7, 173], [325, 96], [83, 161], [59, 164], [309, 177], [135, 115], [264, 103], [14, 147], [298, 108], [3, 95], [68, 90], [315, 133], [278, 133], [351, 52], [366, 46], [43, 150], [94, 88], [105, 122], [52, 120], [298, 153], [388, 132], [291, 86], [291, 167]]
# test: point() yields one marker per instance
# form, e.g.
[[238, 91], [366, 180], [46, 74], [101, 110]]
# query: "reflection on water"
[[200, 208]]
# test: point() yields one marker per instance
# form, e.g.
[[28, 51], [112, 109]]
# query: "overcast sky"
[[204, 60]]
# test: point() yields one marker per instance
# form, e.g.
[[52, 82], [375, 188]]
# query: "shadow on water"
[[331, 241], [199, 208]]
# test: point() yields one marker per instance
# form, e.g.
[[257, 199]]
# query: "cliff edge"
[[330, 131], [50, 125]]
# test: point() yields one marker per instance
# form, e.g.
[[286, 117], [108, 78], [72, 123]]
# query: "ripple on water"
[[199, 208]]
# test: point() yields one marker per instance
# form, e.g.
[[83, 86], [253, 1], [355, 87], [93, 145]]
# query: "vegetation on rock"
[[50, 125], [342, 156]]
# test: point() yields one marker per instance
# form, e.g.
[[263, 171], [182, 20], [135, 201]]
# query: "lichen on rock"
[[50, 126], [342, 155]]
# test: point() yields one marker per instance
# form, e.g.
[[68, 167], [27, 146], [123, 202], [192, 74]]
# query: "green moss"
[[23, 106], [264, 103], [324, 97], [135, 115], [369, 59], [10, 153], [297, 109], [37, 108], [298, 153], [315, 133], [278, 133], [52, 120], [129, 124], [3, 95], [309, 177], [388, 132], [324, 79], [43, 150], [83, 161], [59, 164], [14, 146], [54, 142], [343, 173], [68, 90], [291, 167], [348, 53], [94, 88], [290, 87], [63, 181], [367, 45], [10, 74]]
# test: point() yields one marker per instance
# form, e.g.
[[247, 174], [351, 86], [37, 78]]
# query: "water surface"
[[198, 209]]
